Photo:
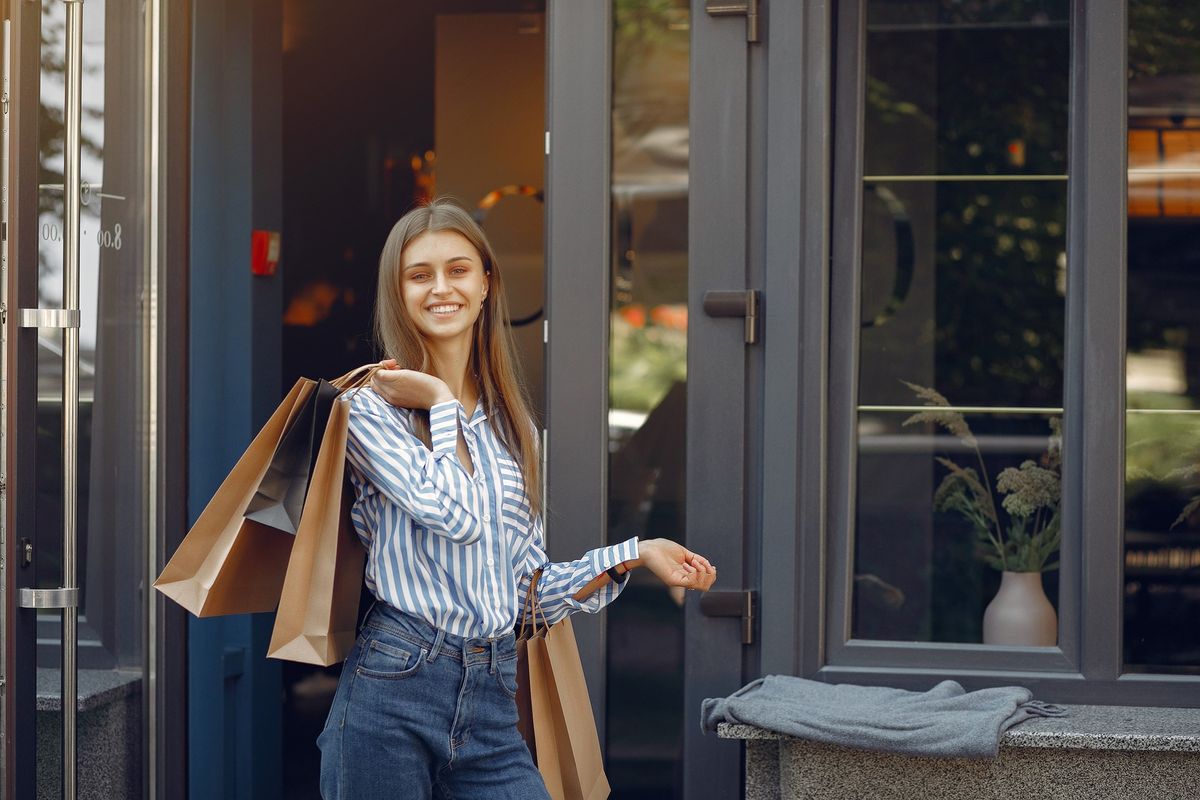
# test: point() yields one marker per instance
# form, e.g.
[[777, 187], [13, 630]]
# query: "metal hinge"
[[732, 604], [736, 304], [738, 8]]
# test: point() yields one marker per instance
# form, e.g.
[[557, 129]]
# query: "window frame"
[[1087, 665]]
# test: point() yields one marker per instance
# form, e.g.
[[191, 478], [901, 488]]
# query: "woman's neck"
[[451, 363]]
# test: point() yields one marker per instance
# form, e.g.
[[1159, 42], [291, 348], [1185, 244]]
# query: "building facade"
[[876, 304]]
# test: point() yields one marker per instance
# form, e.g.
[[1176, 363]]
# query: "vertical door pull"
[[736, 304]]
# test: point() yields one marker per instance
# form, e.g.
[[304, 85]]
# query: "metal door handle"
[[732, 604], [62, 597], [745, 303]]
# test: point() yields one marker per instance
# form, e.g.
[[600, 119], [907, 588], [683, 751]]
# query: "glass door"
[[78, 421], [646, 377]]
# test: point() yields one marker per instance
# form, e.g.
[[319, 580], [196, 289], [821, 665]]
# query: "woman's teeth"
[[445, 310]]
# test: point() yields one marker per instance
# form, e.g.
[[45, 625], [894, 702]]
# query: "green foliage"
[[644, 363], [1031, 495]]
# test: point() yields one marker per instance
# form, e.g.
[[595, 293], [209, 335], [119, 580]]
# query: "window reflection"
[[111, 530], [1162, 381], [647, 386], [963, 284]]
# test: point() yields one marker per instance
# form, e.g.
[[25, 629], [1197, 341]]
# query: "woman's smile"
[[444, 310]]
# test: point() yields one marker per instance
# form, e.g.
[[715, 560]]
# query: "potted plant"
[[1020, 542]]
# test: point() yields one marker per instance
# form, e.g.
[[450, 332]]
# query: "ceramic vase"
[[1020, 614]]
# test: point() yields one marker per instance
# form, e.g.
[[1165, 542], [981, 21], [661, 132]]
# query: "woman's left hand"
[[409, 388], [675, 565]]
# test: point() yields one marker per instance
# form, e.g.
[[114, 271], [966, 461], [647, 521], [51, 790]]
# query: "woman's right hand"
[[409, 388]]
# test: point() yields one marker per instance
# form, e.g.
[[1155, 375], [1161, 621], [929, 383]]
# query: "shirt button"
[[487, 516], [491, 562]]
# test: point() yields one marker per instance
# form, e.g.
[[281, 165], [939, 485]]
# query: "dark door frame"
[[20, 625]]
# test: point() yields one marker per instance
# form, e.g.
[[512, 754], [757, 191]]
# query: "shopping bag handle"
[[357, 377], [531, 609]]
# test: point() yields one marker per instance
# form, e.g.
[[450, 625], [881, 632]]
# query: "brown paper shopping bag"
[[566, 746], [318, 606], [228, 564]]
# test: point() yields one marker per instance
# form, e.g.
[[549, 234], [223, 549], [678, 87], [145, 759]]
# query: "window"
[[1013, 340]]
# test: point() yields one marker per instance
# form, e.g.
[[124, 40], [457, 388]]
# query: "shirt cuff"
[[606, 557], [443, 426]]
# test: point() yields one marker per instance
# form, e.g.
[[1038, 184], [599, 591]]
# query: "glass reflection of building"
[[1162, 379]]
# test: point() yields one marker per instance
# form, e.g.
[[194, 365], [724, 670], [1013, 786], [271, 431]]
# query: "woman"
[[444, 461]]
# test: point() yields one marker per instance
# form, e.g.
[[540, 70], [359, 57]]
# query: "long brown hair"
[[493, 359]]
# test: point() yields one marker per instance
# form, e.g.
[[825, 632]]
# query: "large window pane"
[[1162, 377], [111, 530], [963, 283], [648, 386]]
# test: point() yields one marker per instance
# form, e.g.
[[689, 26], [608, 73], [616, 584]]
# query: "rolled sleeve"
[[561, 581], [443, 426], [432, 487]]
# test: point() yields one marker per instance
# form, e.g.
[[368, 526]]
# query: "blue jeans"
[[420, 713]]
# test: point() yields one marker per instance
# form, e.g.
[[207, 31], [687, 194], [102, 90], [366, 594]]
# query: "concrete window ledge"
[[1111, 752], [108, 733]]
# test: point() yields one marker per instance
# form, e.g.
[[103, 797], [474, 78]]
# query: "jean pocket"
[[506, 676], [390, 661]]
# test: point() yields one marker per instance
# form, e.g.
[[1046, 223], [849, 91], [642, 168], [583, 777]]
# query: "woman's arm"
[[584, 584], [432, 487], [670, 561]]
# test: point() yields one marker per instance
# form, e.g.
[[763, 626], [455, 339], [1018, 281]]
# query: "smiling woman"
[[443, 457]]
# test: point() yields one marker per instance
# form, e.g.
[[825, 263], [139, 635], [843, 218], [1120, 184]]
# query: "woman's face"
[[443, 285]]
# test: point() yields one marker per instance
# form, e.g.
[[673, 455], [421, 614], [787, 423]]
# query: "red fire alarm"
[[264, 252]]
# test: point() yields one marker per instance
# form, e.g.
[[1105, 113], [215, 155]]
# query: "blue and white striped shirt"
[[453, 549]]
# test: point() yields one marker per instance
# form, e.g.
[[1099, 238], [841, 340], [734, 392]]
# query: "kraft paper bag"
[[279, 499], [228, 564], [569, 757], [318, 606], [565, 742]]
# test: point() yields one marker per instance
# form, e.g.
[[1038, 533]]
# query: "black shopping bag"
[[279, 500]]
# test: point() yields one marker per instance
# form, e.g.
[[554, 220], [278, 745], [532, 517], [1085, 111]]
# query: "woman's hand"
[[409, 388], [675, 565]]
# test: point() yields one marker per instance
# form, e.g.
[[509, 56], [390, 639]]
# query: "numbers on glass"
[[109, 240]]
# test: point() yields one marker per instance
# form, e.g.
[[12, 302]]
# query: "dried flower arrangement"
[[1190, 472], [1031, 494]]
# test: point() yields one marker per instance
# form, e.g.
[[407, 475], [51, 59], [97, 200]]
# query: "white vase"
[[1020, 614]]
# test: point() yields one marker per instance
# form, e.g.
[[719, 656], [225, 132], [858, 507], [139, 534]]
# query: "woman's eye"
[[418, 276], [459, 271]]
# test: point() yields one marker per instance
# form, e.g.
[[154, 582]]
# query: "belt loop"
[[437, 645], [495, 648]]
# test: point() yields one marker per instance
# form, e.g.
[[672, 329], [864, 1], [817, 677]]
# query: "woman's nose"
[[441, 285]]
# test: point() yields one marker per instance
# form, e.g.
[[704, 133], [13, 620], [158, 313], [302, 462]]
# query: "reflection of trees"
[[955, 101], [650, 40], [1163, 38], [51, 122]]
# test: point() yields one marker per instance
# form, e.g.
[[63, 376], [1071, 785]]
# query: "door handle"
[[732, 604], [745, 303]]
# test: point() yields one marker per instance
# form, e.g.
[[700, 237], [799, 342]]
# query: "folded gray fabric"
[[945, 721]]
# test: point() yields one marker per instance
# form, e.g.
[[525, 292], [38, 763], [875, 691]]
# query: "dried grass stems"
[[1031, 493]]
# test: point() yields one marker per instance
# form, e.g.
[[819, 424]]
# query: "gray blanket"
[[944, 721]]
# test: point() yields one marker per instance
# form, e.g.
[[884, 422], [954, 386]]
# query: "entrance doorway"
[[385, 105]]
